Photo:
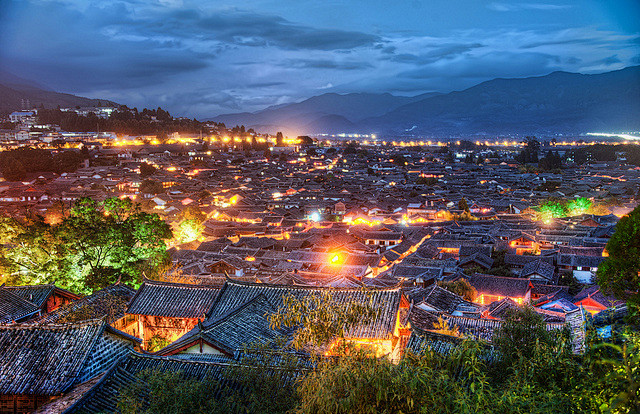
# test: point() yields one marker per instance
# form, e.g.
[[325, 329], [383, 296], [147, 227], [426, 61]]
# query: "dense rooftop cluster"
[[429, 240]]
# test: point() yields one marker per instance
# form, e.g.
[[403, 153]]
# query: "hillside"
[[559, 102], [13, 90]]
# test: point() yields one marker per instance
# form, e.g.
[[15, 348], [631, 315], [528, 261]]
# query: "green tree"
[[522, 329], [114, 239], [92, 247], [320, 320], [620, 272]]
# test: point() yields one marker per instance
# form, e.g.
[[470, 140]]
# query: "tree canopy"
[[96, 244], [620, 272]]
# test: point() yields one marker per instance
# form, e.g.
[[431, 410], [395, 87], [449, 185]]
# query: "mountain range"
[[16, 92], [560, 102]]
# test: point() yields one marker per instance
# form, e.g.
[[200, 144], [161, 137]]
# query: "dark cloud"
[[491, 65], [252, 29], [443, 52], [325, 64], [611, 60], [563, 42]]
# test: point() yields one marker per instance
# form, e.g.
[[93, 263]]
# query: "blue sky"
[[203, 58]]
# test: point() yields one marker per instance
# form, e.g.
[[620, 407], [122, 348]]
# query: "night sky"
[[203, 58]]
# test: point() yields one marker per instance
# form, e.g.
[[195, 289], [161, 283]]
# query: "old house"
[[46, 297], [166, 311], [41, 362], [538, 270], [248, 325], [382, 333], [493, 288]]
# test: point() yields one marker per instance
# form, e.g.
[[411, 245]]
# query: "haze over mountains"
[[560, 102], [15, 90]]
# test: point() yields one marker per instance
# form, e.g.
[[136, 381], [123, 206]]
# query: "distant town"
[[443, 239]]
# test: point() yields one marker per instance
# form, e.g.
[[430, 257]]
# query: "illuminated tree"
[[189, 230], [114, 238], [93, 247], [578, 206], [463, 205], [551, 209]]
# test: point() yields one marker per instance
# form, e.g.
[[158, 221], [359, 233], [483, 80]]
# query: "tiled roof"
[[579, 261], [235, 294], [13, 307], [422, 340], [247, 325], [176, 300], [103, 397], [110, 302], [539, 267], [48, 359], [437, 297], [501, 286], [36, 294]]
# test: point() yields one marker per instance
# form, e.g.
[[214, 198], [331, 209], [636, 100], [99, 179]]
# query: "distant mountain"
[[329, 112], [15, 90], [560, 102]]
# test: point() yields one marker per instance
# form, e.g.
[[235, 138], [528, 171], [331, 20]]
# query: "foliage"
[[94, 246], [122, 121], [320, 320], [460, 287], [147, 170], [426, 181], [442, 326], [189, 230], [621, 363], [551, 161], [578, 206], [16, 163], [399, 160], [157, 342], [149, 186], [499, 267], [168, 393], [517, 337], [463, 205], [530, 153], [12, 169], [620, 272]]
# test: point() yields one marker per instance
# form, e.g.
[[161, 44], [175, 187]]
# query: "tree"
[[620, 272], [463, 205], [279, 139], [151, 187], [68, 161], [461, 287], [147, 170], [517, 337], [321, 321], [92, 247], [12, 169], [305, 140], [399, 160]]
